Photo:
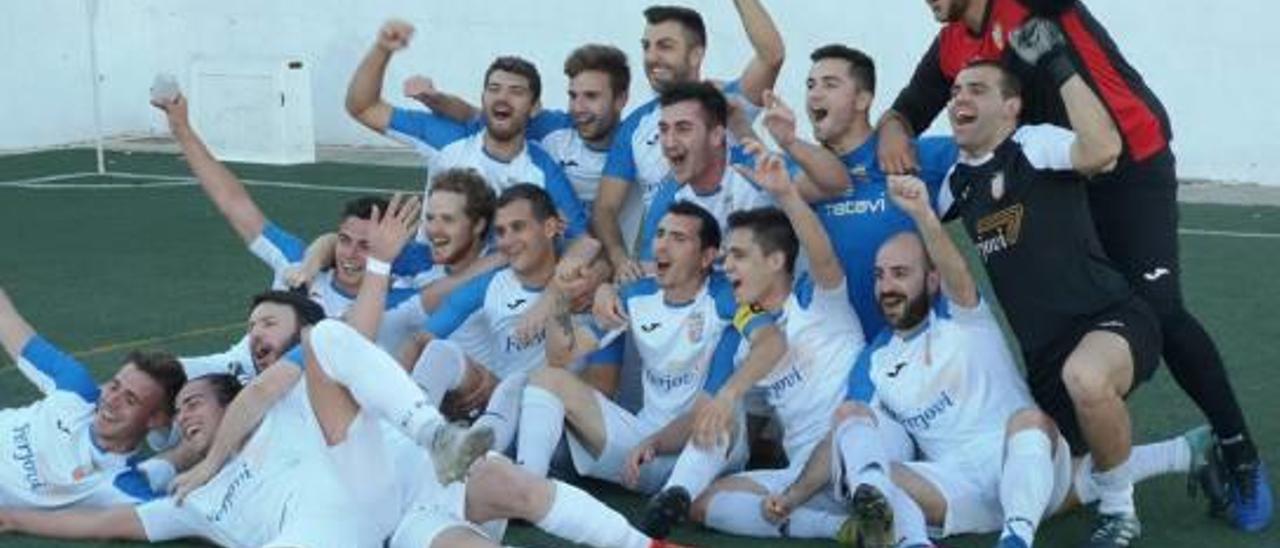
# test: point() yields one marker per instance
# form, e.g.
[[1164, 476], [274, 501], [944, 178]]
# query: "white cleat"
[[454, 447]]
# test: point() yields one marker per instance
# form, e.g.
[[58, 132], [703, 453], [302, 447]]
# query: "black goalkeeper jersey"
[[1028, 215]]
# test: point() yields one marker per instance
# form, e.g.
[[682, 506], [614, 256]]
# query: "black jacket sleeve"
[[927, 92], [1048, 8]]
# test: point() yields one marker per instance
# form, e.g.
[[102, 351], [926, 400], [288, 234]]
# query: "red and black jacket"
[[1137, 112]]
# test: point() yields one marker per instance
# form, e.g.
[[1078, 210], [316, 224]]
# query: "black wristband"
[[1060, 66]]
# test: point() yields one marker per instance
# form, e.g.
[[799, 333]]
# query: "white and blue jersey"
[[448, 144], [864, 217], [809, 382], [48, 456], [734, 193], [493, 303], [281, 250], [952, 384], [636, 153], [677, 343]]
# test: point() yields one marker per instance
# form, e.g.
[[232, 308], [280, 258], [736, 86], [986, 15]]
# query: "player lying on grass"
[[801, 389], [676, 320], [79, 444], [946, 384]]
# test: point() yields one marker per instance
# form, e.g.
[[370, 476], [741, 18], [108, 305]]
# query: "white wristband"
[[376, 266]]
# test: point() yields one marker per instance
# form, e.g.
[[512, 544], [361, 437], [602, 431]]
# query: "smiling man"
[[495, 146], [78, 444]]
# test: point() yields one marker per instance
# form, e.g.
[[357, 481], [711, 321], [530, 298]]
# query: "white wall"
[[1212, 68]]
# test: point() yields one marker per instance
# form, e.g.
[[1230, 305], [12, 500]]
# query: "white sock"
[[1115, 490], [541, 425], [861, 454], [696, 468], [1164, 457], [439, 369], [739, 512], [909, 526], [578, 517], [503, 412], [1026, 482], [374, 379]]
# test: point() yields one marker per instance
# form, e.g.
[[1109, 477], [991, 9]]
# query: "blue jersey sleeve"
[[290, 247], [296, 357], [621, 162], [561, 191], [936, 156], [637, 288], [721, 367], [52, 369], [860, 388], [459, 306], [611, 354], [547, 122], [662, 200], [135, 484], [428, 130], [414, 259]]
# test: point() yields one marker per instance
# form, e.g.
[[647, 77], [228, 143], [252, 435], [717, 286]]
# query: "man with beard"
[[674, 43], [840, 90], [802, 388], [495, 146], [78, 445], [676, 320], [1133, 207]]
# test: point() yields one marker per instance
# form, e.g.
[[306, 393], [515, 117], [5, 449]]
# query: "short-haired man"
[[1021, 194], [802, 389], [496, 145], [841, 87], [676, 321], [674, 43], [79, 444], [1134, 206]]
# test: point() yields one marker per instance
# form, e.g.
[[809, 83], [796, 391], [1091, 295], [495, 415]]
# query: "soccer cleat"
[[1250, 503], [455, 447], [664, 511], [874, 517], [1206, 474], [1115, 531]]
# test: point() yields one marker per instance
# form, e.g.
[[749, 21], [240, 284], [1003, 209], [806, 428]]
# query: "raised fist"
[[395, 34]]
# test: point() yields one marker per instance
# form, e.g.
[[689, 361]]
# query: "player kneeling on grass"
[[802, 387], [79, 444], [675, 319], [943, 375]]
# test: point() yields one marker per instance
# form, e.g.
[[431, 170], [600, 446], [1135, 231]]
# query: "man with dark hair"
[[1134, 206], [696, 144], [78, 445], [802, 388], [676, 320], [495, 145], [840, 89], [674, 43], [1087, 339]]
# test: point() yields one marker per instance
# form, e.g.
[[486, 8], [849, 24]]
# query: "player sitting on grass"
[[78, 445], [676, 320], [945, 383]]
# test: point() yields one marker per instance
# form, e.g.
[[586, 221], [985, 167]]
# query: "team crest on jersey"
[[997, 35], [997, 185], [693, 327], [859, 174], [82, 472]]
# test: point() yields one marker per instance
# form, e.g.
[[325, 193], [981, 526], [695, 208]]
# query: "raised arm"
[[44, 365], [364, 93], [772, 176], [767, 345], [453, 107], [911, 195], [762, 71], [15, 332], [226, 191], [912, 112], [823, 174], [391, 230], [113, 523]]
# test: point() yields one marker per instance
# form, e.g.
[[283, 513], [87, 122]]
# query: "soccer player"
[[1020, 193], [676, 320], [78, 445], [335, 289], [802, 389], [496, 145], [1134, 207], [841, 87], [695, 142], [526, 228], [674, 43]]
